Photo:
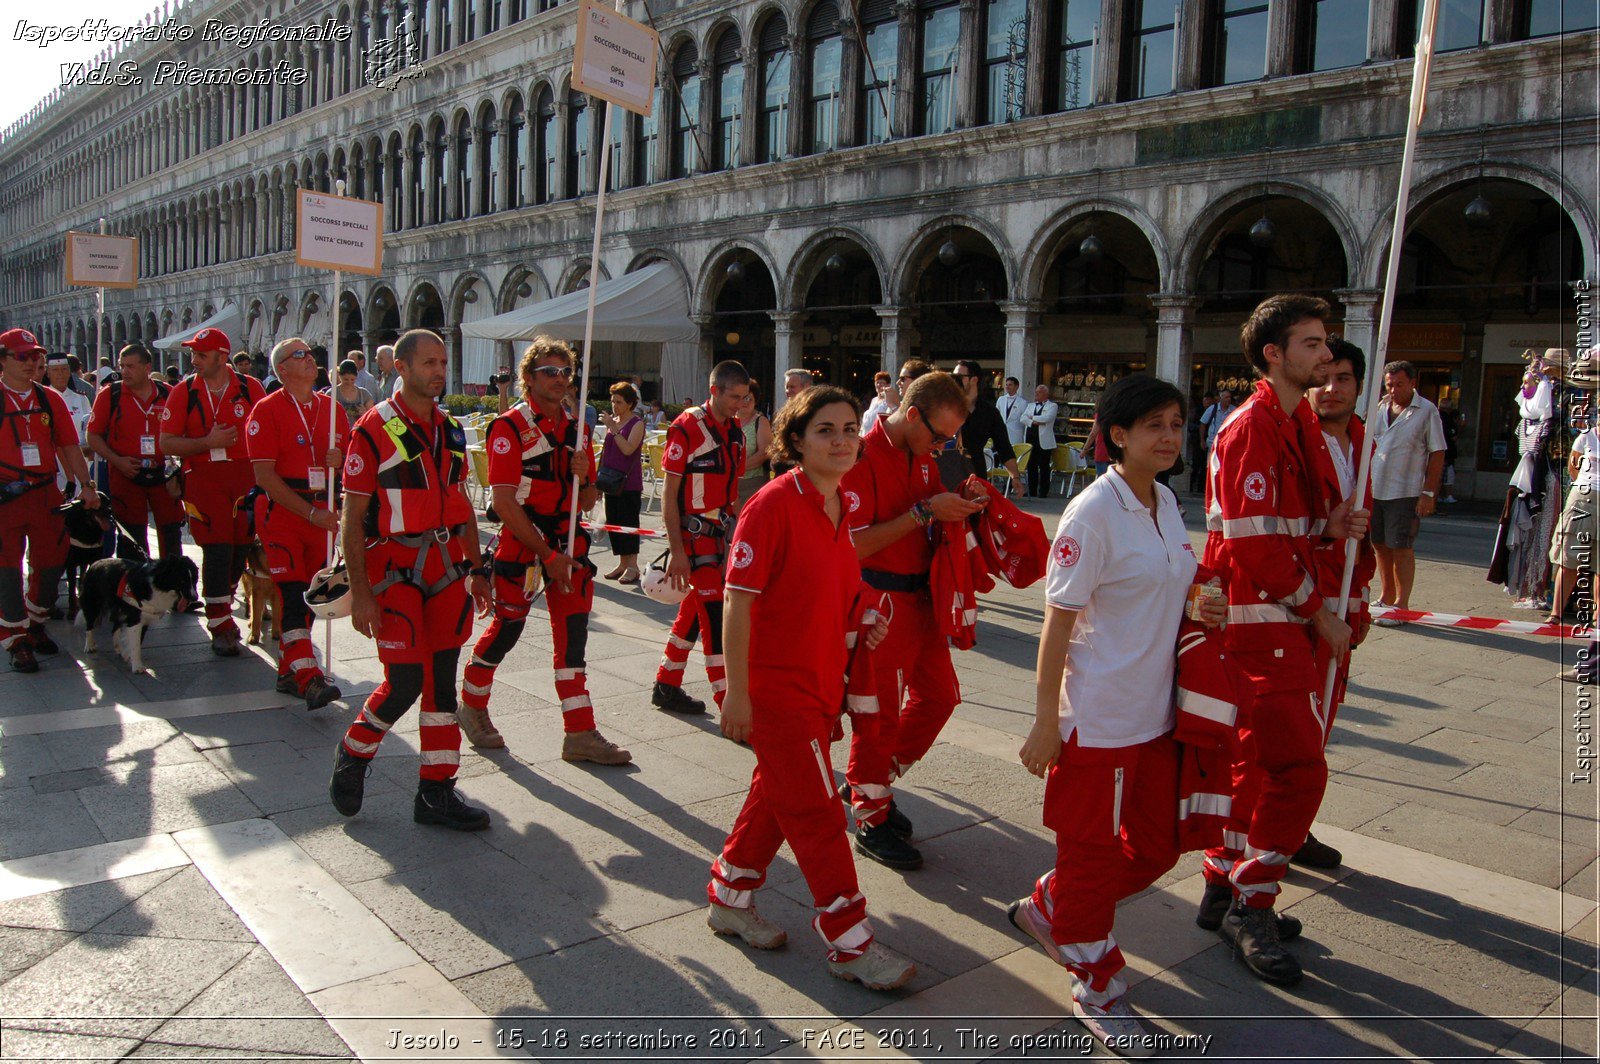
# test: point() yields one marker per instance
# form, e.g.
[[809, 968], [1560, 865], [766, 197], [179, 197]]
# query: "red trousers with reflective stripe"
[[700, 611], [411, 628], [437, 734], [792, 799], [1278, 785], [569, 631], [912, 666]]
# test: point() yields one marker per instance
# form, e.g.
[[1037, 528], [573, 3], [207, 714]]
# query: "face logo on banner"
[[1067, 552], [354, 465], [852, 501], [1255, 486], [502, 445], [743, 554], [675, 452]]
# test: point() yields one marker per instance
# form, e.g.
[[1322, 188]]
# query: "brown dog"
[[261, 595]]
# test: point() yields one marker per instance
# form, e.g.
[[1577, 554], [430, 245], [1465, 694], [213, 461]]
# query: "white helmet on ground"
[[328, 594], [656, 585]]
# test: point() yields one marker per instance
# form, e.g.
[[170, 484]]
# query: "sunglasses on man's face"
[[31, 356], [564, 372], [301, 353]]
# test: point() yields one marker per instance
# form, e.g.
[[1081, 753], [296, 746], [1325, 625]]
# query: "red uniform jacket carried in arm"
[[1209, 696], [1264, 517]]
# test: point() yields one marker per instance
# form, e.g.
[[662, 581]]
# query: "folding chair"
[[1001, 475]]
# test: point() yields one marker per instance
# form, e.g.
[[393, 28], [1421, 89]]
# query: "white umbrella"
[[227, 319], [649, 305]]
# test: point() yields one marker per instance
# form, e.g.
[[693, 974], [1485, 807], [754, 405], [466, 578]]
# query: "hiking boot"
[[592, 746], [349, 780], [1026, 917], [1314, 854], [42, 643], [887, 848], [878, 968], [675, 699], [286, 684], [1116, 1027], [22, 659], [438, 803], [1254, 934], [319, 692], [225, 644], [757, 931], [1218, 899], [479, 729], [897, 821]]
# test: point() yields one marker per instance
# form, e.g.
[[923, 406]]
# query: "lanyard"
[[311, 439], [144, 411], [22, 412], [207, 399]]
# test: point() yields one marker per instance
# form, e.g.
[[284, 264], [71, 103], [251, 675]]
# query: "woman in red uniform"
[[1120, 572], [791, 586]]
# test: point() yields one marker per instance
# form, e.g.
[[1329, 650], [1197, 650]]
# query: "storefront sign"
[[1425, 341], [97, 261], [615, 58], [1505, 343], [338, 233]]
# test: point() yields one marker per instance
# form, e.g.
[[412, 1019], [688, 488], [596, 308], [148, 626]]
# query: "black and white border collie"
[[134, 594]]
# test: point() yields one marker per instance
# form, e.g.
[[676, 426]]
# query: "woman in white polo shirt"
[[1120, 571]]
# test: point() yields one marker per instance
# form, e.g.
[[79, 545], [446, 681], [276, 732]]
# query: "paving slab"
[[146, 800], [279, 1019], [44, 823]]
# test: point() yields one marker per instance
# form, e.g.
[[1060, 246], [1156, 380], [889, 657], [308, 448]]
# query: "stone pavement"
[[174, 883]]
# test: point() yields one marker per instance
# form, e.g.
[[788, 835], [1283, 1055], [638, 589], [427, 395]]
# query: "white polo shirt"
[[1127, 574], [1405, 440]]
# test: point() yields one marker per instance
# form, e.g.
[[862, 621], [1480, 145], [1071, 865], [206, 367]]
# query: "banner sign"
[[98, 261], [615, 58], [338, 233]]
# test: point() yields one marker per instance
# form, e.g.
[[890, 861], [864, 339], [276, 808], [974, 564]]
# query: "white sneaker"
[[757, 931], [1115, 1027], [1026, 917], [879, 968]]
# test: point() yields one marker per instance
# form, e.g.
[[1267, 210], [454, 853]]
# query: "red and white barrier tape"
[[1481, 624], [594, 526]]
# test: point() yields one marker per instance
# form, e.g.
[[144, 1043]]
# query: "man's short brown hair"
[[912, 368], [1271, 321], [412, 339], [541, 349], [935, 390]]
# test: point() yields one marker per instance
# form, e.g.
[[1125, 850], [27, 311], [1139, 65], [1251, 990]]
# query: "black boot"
[[438, 803], [1254, 934], [898, 822], [349, 781], [675, 700], [42, 643], [1218, 899], [1314, 854], [887, 848]]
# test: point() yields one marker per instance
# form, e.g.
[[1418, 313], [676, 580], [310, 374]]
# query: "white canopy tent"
[[650, 305], [227, 319]]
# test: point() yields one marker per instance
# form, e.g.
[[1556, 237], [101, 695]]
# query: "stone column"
[[451, 335], [1039, 58], [1383, 29], [894, 324], [750, 106], [851, 63], [903, 105], [1175, 338], [786, 340], [480, 198], [1361, 328], [508, 194], [969, 67], [1108, 52], [1284, 29], [1192, 44], [796, 128], [706, 119], [1501, 21], [559, 189], [1022, 342]]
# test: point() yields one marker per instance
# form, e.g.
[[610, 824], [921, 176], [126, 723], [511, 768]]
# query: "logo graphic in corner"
[[1067, 552], [852, 501], [502, 445], [1255, 486], [675, 452], [354, 465], [743, 554]]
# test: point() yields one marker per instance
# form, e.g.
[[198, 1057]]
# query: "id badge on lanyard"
[[31, 458], [317, 478], [147, 446]]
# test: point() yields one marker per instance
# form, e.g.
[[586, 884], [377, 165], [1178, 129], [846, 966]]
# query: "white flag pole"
[[94, 363], [1419, 93], [333, 419]]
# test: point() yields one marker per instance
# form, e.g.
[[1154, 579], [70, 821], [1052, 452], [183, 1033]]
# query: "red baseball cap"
[[209, 340], [20, 342]]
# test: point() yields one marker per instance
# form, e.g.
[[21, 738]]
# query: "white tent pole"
[[588, 321], [1419, 94]]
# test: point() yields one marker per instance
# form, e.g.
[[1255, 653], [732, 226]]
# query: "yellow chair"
[[480, 473], [1068, 461], [1002, 476], [654, 477]]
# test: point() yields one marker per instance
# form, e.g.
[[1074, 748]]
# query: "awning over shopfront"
[[227, 319], [649, 305]]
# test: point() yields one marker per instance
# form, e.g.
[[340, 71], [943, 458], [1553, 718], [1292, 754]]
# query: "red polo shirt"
[[884, 484], [295, 436], [196, 419], [135, 422], [33, 430], [804, 574]]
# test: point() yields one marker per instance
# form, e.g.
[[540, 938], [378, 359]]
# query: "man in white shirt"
[[1406, 465], [1215, 415], [1040, 418], [1577, 534], [1012, 407], [58, 374], [880, 405]]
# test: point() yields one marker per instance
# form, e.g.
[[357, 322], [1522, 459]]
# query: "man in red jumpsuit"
[[894, 496], [1265, 516], [534, 453], [125, 430], [703, 462], [410, 536], [296, 439], [203, 424], [37, 436]]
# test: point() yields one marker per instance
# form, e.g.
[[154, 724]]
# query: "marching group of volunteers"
[[1181, 701]]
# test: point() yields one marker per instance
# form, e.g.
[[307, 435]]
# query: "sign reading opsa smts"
[[615, 58], [98, 261], [338, 233]]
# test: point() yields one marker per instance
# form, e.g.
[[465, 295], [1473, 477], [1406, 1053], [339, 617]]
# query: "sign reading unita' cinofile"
[[338, 233]]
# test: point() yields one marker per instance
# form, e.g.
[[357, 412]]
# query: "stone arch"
[[805, 263], [1041, 252], [703, 296], [907, 269], [516, 277], [575, 272], [1206, 228]]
